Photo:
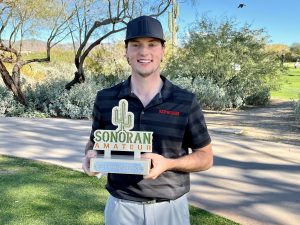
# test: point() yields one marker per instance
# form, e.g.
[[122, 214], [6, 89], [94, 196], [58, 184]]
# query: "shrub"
[[210, 95], [10, 107], [261, 97], [7, 101], [51, 98]]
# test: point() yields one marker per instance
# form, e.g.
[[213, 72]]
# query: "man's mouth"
[[144, 60]]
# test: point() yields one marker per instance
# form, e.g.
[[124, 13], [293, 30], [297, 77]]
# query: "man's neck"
[[145, 88]]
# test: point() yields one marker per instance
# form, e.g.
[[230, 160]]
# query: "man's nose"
[[144, 50]]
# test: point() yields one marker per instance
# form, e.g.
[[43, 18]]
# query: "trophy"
[[122, 139]]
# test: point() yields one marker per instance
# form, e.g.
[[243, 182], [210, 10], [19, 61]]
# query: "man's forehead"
[[145, 39]]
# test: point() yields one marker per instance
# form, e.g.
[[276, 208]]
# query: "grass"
[[290, 87], [35, 193]]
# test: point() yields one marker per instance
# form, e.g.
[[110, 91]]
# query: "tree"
[[295, 49], [18, 18], [114, 16], [231, 56]]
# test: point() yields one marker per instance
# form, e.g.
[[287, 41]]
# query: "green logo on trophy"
[[122, 139]]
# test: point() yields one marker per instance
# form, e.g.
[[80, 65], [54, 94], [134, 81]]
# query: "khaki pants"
[[122, 212]]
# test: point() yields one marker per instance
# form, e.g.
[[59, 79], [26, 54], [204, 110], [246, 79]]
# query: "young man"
[[177, 123]]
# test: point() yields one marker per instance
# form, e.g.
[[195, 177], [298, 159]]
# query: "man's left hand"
[[159, 165]]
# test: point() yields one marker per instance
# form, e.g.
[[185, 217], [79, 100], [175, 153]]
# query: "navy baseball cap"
[[144, 26]]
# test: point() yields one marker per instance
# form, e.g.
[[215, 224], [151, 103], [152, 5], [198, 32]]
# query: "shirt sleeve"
[[196, 133]]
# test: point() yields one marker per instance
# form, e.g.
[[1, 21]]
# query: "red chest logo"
[[169, 112]]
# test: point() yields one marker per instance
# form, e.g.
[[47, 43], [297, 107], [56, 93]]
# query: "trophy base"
[[120, 164]]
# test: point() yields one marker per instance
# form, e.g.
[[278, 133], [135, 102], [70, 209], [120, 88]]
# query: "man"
[[177, 123]]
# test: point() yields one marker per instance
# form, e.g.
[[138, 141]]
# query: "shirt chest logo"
[[169, 112]]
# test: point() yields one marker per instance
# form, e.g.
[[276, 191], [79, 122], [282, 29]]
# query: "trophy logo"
[[122, 139]]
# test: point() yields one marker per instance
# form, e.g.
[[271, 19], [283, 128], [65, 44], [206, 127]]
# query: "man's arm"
[[89, 153], [201, 159]]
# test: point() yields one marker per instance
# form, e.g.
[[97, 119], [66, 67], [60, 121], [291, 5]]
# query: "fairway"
[[290, 87]]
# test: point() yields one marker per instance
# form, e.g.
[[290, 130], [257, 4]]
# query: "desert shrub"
[[51, 98], [261, 97], [210, 95], [10, 107], [76, 103], [7, 101]]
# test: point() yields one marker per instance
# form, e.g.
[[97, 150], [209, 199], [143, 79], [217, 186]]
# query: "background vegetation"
[[227, 66]]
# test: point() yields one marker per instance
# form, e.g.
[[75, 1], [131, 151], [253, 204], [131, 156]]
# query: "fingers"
[[159, 165], [86, 162]]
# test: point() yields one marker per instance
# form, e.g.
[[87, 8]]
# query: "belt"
[[145, 202]]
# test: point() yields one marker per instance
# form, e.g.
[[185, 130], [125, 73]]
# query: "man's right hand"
[[86, 162]]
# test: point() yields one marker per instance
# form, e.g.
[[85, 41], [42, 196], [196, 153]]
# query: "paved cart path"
[[252, 181]]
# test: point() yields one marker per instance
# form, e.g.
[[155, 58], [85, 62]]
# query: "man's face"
[[144, 56]]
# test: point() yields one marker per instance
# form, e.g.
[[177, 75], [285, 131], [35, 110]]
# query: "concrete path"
[[252, 182]]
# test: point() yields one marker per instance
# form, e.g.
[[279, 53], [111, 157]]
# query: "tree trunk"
[[9, 82], [78, 79]]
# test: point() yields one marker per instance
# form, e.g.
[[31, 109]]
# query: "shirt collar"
[[166, 91]]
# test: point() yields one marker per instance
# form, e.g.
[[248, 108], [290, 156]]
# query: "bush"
[[10, 107], [7, 101], [261, 97], [210, 95], [51, 98]]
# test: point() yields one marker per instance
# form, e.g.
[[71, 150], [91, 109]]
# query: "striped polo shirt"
[[177, 122]]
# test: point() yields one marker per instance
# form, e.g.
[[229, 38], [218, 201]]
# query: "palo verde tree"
[[231, 56], [20, 18], [95, 21]]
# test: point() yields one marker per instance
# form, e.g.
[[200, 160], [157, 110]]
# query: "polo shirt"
[[177, 122]]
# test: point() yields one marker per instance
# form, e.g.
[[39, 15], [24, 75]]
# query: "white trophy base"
[[120, 164]]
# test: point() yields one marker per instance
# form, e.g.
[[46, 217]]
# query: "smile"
[[144, 60]]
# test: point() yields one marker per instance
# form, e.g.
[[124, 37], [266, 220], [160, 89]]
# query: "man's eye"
[[152, 44]]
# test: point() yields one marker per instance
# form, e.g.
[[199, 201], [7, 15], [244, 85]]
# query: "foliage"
[[282, 52], [51, 98], [22, 18], [108, 60], [210, 95], [10, 107], [40, 193], [6, 101], [261, 97], [295, 49], [232, 57]]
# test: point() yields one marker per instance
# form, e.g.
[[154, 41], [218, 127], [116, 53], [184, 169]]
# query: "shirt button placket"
[[141, 119]]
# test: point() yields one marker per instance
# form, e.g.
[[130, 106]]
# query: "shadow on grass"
[[39, 193]]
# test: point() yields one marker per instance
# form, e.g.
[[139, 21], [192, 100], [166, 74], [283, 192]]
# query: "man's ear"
[[127, 58], [163, 53]]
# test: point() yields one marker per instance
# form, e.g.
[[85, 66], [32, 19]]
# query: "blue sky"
[[278, 17]]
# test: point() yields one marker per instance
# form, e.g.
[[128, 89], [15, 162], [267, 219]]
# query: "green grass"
[[290, 87], [34, 193]]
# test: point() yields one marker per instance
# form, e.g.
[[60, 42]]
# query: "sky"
[[279, 18]]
